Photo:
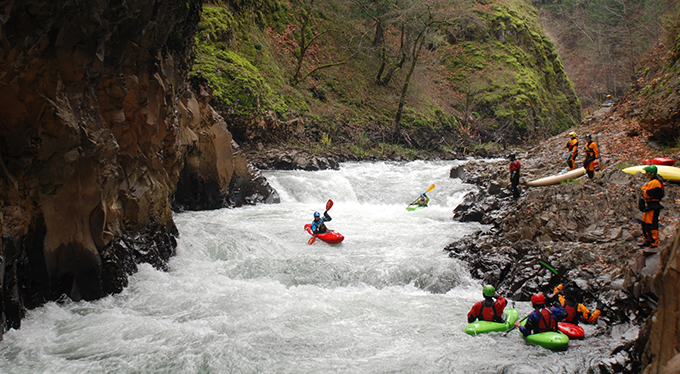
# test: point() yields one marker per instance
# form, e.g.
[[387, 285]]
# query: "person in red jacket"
[[488, 310], [541, 319], [515, 166]]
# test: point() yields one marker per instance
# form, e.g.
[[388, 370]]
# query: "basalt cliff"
[[101, 136]]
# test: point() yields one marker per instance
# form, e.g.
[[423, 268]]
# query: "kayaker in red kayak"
[[319, 223], [576, 312], [488, 310], [541, 319]]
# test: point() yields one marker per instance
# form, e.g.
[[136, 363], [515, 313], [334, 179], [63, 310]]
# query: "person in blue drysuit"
[[542, 319], [319, 225]]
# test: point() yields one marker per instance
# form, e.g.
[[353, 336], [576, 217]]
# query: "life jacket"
[[546, 322], [488, 311], [571, 306], [590, 152], [653, 190], [319, 226], [572, 146]]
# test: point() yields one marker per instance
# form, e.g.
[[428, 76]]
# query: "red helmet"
[[538, 299]]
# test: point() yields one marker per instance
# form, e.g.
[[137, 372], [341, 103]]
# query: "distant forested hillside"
[[603, 42], [375, 75]]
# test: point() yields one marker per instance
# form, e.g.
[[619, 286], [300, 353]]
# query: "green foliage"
[[514, 73], [226, 58], [625, 164], [502, 62]]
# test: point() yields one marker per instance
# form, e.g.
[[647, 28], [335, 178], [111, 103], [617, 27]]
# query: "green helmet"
[[488, 290], [651, 169]]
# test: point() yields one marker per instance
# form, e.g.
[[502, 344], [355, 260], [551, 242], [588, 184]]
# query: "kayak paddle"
[[329, 205], [428, 190], [513, 326]]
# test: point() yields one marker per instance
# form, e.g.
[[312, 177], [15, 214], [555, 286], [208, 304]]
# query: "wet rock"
[[672, 366], [494, 188], [456, 171]]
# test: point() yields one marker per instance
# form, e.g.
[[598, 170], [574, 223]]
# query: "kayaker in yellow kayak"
[[423, 200], [488, 310], [541, 319]]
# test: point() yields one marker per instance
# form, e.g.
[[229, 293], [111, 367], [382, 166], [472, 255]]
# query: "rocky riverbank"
[[588, 230]]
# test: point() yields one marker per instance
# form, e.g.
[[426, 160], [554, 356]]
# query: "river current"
[[247, 294]]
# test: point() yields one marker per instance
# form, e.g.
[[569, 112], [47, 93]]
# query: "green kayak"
[[482, 327], [411, 208], [556, 341]]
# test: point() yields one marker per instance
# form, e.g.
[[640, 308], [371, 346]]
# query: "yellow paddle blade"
[[311, 240], [430, 189]]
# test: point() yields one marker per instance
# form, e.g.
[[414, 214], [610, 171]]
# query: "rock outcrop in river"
[[98, 127]]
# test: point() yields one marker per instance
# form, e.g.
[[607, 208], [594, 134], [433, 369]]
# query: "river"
[[247, 294]]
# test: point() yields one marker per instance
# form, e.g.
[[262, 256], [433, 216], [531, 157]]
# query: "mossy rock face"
[[513, 72], [226, 53]]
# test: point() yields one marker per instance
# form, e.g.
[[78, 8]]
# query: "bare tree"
[[306, 37], [423, 17]]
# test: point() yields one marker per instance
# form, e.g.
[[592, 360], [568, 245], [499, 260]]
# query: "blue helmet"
[[422, 195], [317, 214]]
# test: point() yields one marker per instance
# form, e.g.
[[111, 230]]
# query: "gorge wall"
[[98, 126]]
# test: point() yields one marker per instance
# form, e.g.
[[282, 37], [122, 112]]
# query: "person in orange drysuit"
[[652, 193], [576, 312], [592, 154], [572, 146]]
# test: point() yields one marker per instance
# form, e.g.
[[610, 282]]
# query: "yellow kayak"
[[669, 173]]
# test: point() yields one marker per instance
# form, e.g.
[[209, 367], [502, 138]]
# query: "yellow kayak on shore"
[[669, 173]]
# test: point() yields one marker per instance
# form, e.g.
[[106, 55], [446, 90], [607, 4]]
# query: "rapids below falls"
[[246, 293]]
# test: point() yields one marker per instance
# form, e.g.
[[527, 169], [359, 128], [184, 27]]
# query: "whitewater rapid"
[[247, 294]]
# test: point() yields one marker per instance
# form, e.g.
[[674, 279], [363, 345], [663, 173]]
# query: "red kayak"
[[659, 161], [571, 330], [331, 237]]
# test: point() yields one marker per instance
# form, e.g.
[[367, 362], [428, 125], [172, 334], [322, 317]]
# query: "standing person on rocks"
[[576, 312], [592, 154], [572, 146], [489, 309], [541, 319], [515, 166], [652, 193]]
